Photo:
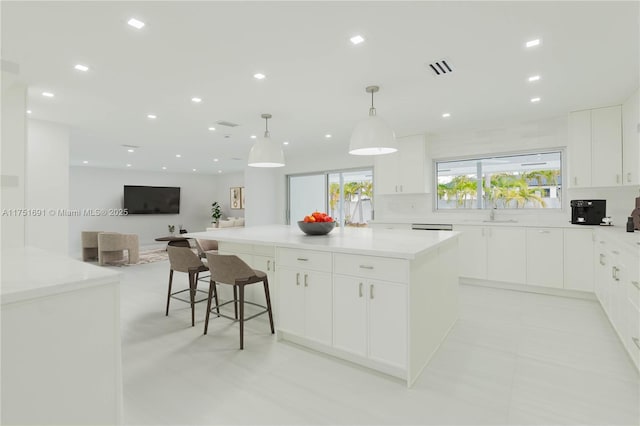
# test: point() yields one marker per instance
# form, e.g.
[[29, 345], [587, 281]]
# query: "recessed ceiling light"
[[532, 43], [328, 136], [446, 115], [178, 155], [128, 165], [48, 94], [215, 160], [81, 67], [534, 78], [252, 136], [85, 162], [194, 170], [28, 111], [196, 100], [259, 76], [534, 100], [219, 171], [131, 150], [285, 143], [212, 128], [135, 23], [164, 168], [357, 39], [152, 116]]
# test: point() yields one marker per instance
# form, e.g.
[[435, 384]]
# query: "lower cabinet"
[[506, 256], [545, 257], [369, 319], [578, 252], [305, 303]]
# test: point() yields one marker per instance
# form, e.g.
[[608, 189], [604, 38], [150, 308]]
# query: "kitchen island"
[[384, 299]]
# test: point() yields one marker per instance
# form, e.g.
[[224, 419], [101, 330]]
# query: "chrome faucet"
[[492, 215]]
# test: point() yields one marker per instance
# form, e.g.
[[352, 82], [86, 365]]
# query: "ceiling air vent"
[[227, 123], [440, 67]]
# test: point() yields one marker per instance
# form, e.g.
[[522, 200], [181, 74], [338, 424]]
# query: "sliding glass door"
[[346, 195]]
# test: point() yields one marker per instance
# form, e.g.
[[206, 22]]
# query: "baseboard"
[[575, 294]]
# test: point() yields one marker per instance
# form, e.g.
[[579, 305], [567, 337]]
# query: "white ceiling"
[[315, 76]]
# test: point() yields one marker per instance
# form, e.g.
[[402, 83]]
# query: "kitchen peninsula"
[[384, 299]]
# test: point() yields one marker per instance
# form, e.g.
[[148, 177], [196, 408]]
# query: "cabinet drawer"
[[234, 247], [264, 250], [379, 268], [305, 259]]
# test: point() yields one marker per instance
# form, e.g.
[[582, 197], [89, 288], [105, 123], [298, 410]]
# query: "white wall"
[[264, 196], [47, 182], [224, 183], [13, 159], [96, 188]]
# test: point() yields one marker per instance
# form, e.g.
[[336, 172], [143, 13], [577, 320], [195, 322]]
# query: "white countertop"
[[29, 273], [375, 242], [620, 235]]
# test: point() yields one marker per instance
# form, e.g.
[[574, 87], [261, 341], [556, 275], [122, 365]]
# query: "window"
[[346, 195], [520, 181]]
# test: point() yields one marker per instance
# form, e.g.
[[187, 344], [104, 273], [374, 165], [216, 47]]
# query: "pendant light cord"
[[266, 127], [372, 110]]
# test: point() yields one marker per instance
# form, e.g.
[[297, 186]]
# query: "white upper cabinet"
[[631, 140], [406, 171], [595, 147]]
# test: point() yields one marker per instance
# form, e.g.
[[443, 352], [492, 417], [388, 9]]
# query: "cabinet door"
[[633, 333], [545, 257], [578, 252], [266, 264], [606, 146], [387, 322], [387, 171], [472, 252], [291, 308], [349, 315], [506, 255], [580, 149], [413, 163], [631, 140], [602, 273], [317, 306]]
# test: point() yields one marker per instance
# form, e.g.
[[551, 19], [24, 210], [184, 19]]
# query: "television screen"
[[151, 199]]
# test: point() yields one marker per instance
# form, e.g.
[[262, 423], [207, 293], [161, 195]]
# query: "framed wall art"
[[236, 197]]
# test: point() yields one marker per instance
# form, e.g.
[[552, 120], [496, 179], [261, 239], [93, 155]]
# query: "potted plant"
[[216, 213]]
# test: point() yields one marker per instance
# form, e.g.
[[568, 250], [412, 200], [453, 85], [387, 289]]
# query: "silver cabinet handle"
[[614, 273], [602, 259], [297, 278], [366, 267], [306, 283], [268, 265], [636, 284], [543, 232], [303, 259], [636, 341], [629, 177], [400, 188], [274, 265], [370, 291], [359, 289]]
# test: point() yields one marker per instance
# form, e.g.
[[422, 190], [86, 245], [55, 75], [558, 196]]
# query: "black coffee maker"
[[588, 212]]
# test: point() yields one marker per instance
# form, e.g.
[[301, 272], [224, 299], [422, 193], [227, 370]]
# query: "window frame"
[[523, 211]]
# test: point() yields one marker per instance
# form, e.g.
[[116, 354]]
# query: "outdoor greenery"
[[506, 190], [352, 190]]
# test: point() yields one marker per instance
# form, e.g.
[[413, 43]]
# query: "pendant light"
[[372, 136], [265, 152]]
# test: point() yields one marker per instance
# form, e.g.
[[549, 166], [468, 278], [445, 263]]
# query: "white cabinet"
[[631, 140], [595, 147], [369, 315], [406, 171], [545, 260], [506, 255], [492, 253], [578, 252], [305, 293]]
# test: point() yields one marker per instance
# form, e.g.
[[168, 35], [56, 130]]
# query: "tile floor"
[[512, 358]]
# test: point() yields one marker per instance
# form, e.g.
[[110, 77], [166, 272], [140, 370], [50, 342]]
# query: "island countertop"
[[402, 244]]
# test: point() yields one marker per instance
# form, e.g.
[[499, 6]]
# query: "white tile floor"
[[512, 358]]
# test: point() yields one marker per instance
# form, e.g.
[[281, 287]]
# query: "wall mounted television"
[[151, 199]]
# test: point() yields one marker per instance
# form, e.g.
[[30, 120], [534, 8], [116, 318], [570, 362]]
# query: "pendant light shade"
[[372, 136], [266, 152]]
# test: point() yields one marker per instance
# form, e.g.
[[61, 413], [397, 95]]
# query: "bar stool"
[[183, 259], [230, 269]]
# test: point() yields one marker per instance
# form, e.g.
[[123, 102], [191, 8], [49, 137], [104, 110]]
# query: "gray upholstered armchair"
[[111, 247]]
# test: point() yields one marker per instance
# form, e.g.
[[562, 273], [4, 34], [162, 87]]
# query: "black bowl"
[[316, 228]]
